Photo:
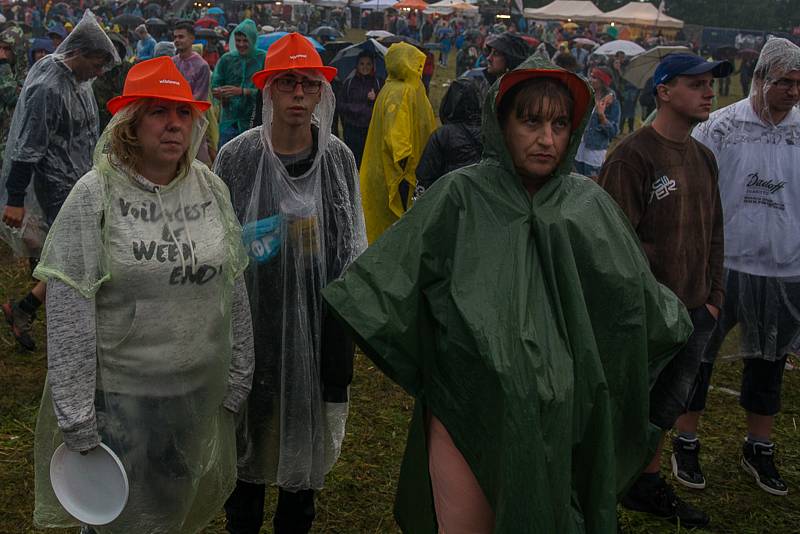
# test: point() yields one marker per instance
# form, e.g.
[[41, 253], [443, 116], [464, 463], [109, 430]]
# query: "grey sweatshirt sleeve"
[[240, 378], [72, 364]]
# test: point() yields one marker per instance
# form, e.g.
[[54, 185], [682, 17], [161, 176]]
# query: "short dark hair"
[[527, 100], [185, 26]]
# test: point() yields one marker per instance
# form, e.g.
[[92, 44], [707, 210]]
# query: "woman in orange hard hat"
[[149, 332]]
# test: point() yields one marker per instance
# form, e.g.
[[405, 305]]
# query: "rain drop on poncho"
[[532, 328], [55, 127], [300, 232], [402, 121], [160, 264], [760, 192]]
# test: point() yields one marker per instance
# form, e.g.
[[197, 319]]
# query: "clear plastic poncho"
[[160, 264], [300, 232], [758, 160], [55, 127]]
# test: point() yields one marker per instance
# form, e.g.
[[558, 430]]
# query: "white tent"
[[377, 5], [642, 14], [444, 7], [580, 10]]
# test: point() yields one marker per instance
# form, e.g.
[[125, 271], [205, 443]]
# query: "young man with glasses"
[[294, 187], [757, 145]]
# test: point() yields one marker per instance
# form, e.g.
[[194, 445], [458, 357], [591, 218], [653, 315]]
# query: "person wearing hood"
[[457, 142], [232, 82], [40, 47], [150, 347], [402, 121], [603, 125], [146, 46], [51, 138], [504, 52], [755, 142], [294, 187], [355, 100], [514, 303], [110, 84], [12, 75]]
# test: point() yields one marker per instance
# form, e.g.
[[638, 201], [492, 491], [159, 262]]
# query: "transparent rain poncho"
[[300, 232], [160, 264], [54, 127], [759, 158]]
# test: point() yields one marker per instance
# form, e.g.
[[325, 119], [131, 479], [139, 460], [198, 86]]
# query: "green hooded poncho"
[[531, 327], [236, 69]]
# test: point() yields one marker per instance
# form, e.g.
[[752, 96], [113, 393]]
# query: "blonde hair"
[[123, 142]]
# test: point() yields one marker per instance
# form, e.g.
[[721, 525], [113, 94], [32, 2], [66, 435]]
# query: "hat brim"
[[718, 69], [260, 78], [119, 102], [581, 94]]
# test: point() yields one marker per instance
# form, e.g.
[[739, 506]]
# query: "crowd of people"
[[209, 254]]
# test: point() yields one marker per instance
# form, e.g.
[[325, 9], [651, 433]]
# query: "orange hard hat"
[[291, 52], [156, 78]]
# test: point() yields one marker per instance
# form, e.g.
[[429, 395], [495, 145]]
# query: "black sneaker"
[[659, 499], [21, 323], [686, 463], [758, 459]]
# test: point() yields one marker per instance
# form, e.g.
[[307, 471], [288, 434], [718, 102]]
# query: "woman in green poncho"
[[232, 82], [514, 303], [150, 345]]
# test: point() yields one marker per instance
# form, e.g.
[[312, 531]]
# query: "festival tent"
[[641, 14], [377, 5], [446, 7], [581, 10], [419, 5]]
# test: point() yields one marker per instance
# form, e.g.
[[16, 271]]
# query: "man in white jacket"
[[757, 145]]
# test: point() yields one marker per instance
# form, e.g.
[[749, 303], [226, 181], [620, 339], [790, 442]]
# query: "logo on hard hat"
[[171, 82], [298, 56]]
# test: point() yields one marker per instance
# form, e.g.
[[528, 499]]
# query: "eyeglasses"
[[288, 85], [785, 84]]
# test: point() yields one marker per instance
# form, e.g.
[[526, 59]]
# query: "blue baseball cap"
[[675, 65]]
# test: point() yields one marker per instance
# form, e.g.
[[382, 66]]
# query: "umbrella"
[[584, 41], [533, 41], [411, 4], [641, 68], [265, 41], [215, 11], [629, 48], [207, 22], [208, 33], [326, 32], [126, 19], [155, 23], [463, 6], [388, 41], [345, 61], [378, 34]]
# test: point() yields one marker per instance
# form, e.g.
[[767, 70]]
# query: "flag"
[[662, 7]]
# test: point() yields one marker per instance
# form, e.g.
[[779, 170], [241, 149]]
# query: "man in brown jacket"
[[666, 183]]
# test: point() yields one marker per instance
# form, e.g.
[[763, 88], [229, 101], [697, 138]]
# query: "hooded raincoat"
[[532, 328], [301, 230], [236, 69], [54, 129], [402, 121], [158, 265]]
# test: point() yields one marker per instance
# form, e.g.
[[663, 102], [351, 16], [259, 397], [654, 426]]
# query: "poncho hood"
[[461, 103], [494, 146], [248, 28], [404, 62]]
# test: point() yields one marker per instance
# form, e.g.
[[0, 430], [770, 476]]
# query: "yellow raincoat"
[[402, 121]]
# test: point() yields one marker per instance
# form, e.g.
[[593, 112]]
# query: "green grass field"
[[360, 491]]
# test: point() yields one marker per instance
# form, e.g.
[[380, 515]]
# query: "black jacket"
[[457, 143]]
